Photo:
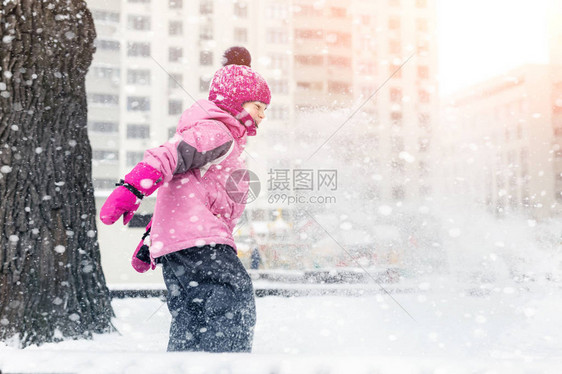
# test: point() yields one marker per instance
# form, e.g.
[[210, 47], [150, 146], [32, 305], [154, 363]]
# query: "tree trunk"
[[51, 282]]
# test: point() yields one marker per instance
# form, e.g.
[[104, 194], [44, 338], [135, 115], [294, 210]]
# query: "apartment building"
[[508, 131], [501, 139], [154, 58], [394, 76]]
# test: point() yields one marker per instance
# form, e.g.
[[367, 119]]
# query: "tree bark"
[[51, 282]]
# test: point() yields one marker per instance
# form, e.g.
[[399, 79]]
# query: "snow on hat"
[[234, 85], [237, 56]]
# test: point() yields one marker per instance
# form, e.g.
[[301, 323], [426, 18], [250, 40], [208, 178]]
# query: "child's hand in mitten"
[[141, 260], [142, 181], [121, 202]]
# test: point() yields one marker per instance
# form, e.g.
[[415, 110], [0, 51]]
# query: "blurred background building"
[[508, 131], [376, 58]]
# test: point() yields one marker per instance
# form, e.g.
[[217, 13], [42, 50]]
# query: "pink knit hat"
[[234, 85]]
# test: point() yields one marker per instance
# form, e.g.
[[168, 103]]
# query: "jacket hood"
[[207, 110]]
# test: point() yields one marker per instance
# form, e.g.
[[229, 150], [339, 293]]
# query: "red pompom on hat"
[[234, 85], [237, 56]]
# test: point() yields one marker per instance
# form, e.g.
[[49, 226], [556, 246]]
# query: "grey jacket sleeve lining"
[[191, 158]]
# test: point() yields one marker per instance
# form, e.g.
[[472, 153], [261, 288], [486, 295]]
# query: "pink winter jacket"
[[193, 207]]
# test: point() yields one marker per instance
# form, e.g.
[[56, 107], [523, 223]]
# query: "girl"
[[210, 294]]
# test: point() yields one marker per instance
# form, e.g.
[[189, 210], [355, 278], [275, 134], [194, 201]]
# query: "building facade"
[[509, 131], [376, 59]]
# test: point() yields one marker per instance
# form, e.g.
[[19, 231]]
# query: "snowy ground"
[[511, 330]]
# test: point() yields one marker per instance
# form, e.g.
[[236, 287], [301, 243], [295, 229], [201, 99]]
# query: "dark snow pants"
[[211, 300]]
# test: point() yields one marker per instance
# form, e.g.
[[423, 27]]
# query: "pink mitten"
[[142, 261], [125, 199]]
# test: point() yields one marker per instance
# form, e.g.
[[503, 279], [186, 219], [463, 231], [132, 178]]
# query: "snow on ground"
[[510, 330]]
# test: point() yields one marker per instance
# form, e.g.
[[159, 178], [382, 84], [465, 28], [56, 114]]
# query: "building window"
[[396, 118], [367, 91], [395, 71], [205, 58], [394, 23], [424, 96], [423, 72], [138, 77], [206, 32], [309, 34], [102, 126], [240, 35], [276, 11], [279, 61], [240, 9], [339, 87], [206, 7], [175, 4], [103, 99], [134, 158], [107, 45], [103, 155], [175, 28], [138, 131], [276, 36], [175, 107], [175, 54], [315, 86], [278, 113], [308, 11], [309, 60], [394, 47], [138, 104], [105, 72], [138, 49], [339, 39], [204, 83], [175, 80], [422, 25], [140, 23], [423, 47], [279, 86], [339, 61], [104, 184], [395, 95], [338, 12], [103, 16]]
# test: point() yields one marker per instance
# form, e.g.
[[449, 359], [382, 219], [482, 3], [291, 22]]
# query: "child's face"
[[256, 110]]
